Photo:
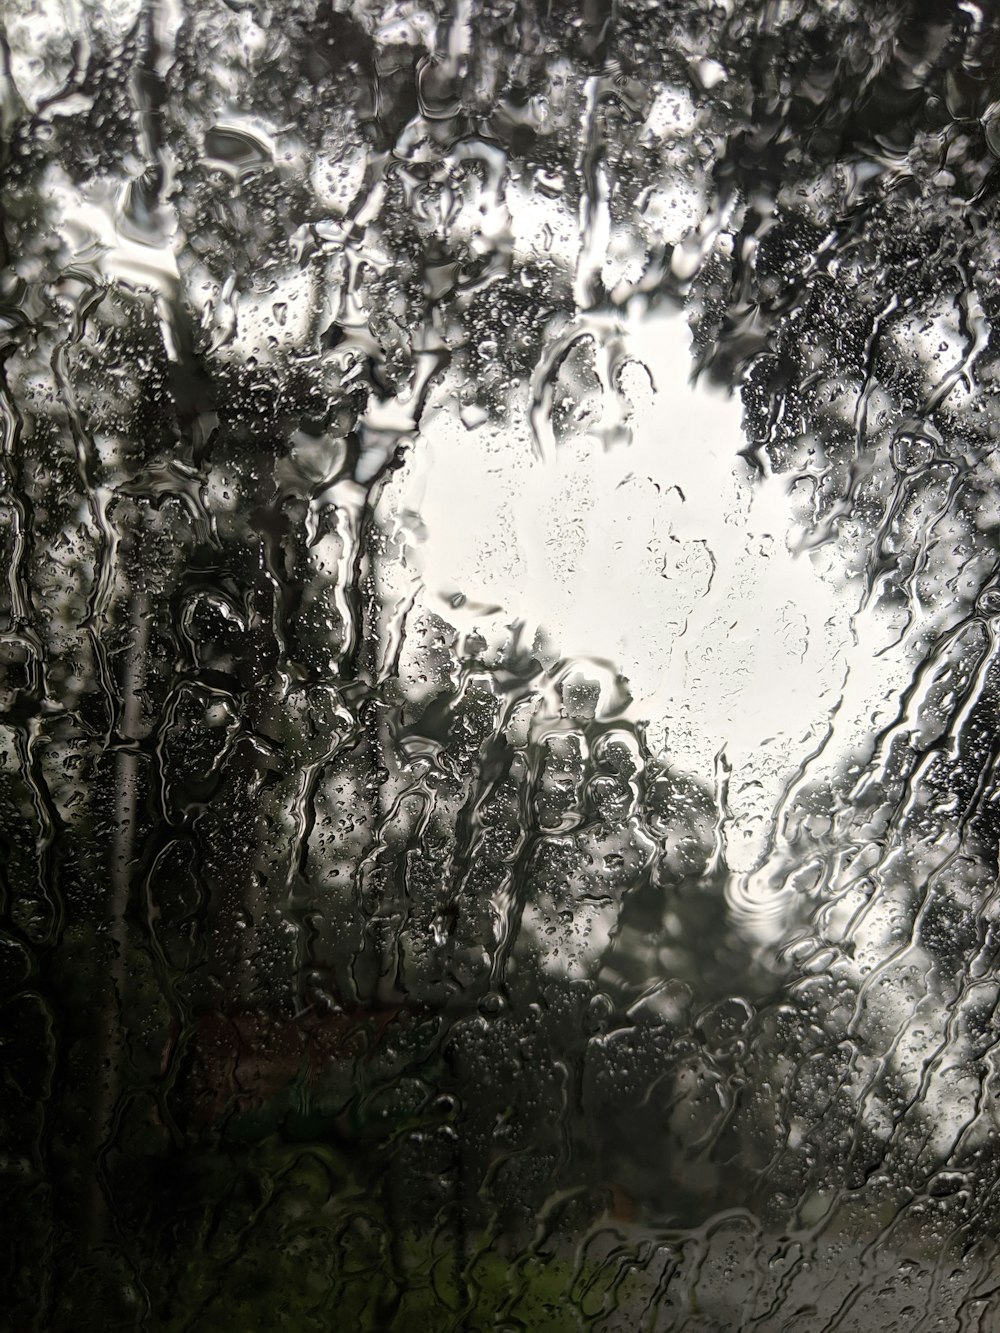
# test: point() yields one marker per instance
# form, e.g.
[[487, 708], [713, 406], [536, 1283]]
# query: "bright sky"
[[667, 558]]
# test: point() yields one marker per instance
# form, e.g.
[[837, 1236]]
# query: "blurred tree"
[[315, 907]]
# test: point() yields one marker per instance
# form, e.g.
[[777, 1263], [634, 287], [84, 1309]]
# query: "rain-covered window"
[[499, 666]]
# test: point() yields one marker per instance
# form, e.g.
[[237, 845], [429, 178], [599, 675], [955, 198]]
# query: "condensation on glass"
[[499, 666]]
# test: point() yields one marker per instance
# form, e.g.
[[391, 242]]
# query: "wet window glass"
[[499, 666]]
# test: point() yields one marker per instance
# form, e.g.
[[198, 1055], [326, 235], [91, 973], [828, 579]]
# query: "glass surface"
[[499, 666]]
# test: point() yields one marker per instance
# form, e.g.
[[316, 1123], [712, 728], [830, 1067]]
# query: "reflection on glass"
[[498, 666]]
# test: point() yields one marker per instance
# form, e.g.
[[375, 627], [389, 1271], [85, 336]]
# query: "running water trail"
[[497, 664]]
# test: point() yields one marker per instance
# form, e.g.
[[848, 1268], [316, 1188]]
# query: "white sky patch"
[[668, 558], [336, 177]]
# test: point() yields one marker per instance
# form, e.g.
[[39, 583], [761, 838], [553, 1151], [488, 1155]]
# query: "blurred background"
[[498, 665]]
